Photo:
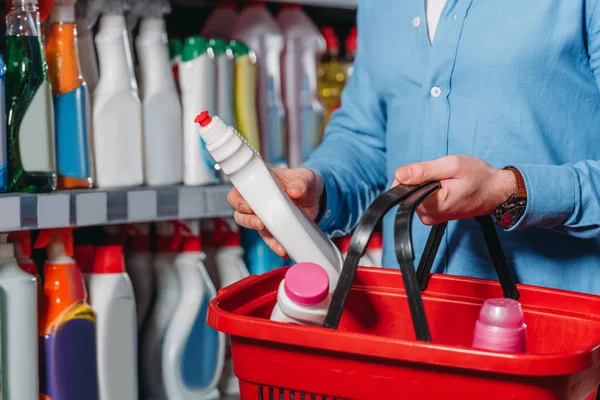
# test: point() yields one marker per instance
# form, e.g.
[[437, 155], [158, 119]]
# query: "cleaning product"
[[73, 152], [163, 130], [166, 299], [117, 107], [197, 79], [175, 52], [304, 45], [331, 74], [193, 353], [258, 256], [299, 235], [350, 51], [225, 94], [375, 249], [139, 268], [344, 244], [3, 152], [229, 262], [111, 297], [87, 13], [84, 257], [302, 297], [21, 241], [258, 29], [500, 327], [19, 327], [67, 325], [220, 21], [245, 86], [29, 111]]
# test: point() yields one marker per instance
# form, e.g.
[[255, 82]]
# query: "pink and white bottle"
[[500, 327]]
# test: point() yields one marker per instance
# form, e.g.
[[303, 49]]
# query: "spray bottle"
[[67, 324], [220, 21], [29, 111], [87, 13], [71, 119], [21, 241], [163, 130], [19, 327], [175, 52], [139, 268], [117, 107], [193, 353]]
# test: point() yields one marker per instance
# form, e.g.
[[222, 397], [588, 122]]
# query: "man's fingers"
[[235, 199], [436, 170], [273, 243], [249, 221]]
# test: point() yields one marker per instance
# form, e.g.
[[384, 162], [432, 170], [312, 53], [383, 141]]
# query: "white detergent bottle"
[[166, 300], [230, 268], [111, 297], [197, 80], [298, 234], [220, 21], [87, 13], [139, 267], [117, 108], [18, 327], [257, 28], [344, 244], [304, 46], [302, 296], [163, 129], [193, 353]]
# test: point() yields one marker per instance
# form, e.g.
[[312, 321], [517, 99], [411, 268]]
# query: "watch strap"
[[521, 188]]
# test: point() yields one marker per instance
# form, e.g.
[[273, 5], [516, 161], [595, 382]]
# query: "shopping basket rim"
[[243, 327]]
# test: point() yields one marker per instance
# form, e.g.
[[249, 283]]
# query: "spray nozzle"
[[22, 242], [87, 12], [226, 233], [140, 236], [59, 242], [186, 236], [144, 9]]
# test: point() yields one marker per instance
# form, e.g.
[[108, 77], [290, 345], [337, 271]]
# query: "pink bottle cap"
[[306, 284], [500, 327]]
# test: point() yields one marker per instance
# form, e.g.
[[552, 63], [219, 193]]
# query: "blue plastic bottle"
[[257, 255]]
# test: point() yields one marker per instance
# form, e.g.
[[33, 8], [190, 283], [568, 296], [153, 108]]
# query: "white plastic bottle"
[[299, 235], [258, 29], [111, 297], [87, 12], [220, 21], [302, 297], [224, 63], [166, 299], [163, 129], [139, 267], [193, 353], [18, 328], [117, 108], [197, 80], [304, 46]]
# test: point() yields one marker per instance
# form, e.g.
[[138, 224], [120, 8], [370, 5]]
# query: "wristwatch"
[[511, 211]]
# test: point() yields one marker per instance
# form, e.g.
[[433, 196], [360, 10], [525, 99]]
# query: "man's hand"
[[469, 187], [302, 185]]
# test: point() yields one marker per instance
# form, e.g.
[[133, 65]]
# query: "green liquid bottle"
[[30, 120]]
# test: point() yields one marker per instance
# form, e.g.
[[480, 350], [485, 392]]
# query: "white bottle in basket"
[[298, 234], [302, 297]]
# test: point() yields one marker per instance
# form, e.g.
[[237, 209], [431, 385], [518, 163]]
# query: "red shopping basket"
[[382, 347]]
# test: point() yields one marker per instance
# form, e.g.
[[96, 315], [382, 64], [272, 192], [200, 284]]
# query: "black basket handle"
[[409, 198]]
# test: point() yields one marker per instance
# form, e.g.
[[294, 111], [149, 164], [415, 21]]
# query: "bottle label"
[[71, 124], [311, 120], [36, 133], [274, 148]]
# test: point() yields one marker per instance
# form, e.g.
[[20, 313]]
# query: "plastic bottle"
[[30, 119], [350, 52], [344, 243], [331, 74], [225, 94], [193, 353], [87, 13], [500, 327], [163, 130], [21, 241], [375, 250], [299, 235], [220, 21], [258, 29], [245, 86], [67, 326], [231, 268], [139, 268], [3, 152], [302, 297], [71, 119], [175, 52], [111, 297], [304, 45], [84, 257], [117, 107], [19, 327], [258, 256], [197, 79], [166, 299]]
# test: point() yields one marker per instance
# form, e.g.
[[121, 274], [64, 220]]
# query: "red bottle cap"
[[351, 40], [191, 244], [224, 236], [109, 260], [84, 257], [331, 39], [203, 119]]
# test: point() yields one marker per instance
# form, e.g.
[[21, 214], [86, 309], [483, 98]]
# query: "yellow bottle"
[[245, 87], [331, 74]]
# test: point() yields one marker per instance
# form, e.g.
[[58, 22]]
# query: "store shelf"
[[350, 4], [105, 207]]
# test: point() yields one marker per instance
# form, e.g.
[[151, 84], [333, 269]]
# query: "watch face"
[[511, 216]]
